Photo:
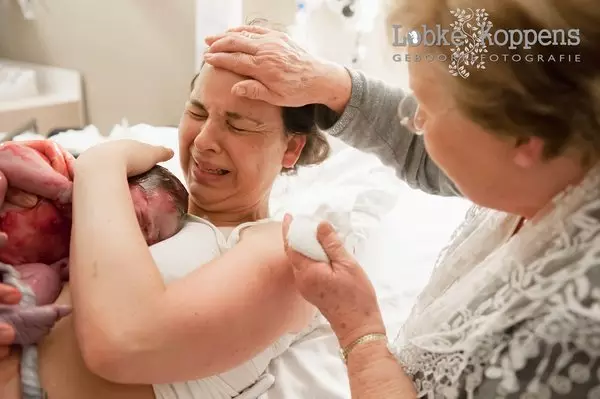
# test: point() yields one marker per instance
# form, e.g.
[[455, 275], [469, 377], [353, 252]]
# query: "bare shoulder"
[[265, 242], [264, 231]]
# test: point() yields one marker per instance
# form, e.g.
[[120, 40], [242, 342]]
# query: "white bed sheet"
[[400, 255]]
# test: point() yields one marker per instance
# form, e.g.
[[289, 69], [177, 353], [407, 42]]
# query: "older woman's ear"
[[295, 145], [529, 152]]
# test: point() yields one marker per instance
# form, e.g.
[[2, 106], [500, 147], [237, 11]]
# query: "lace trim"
[[498, 307]]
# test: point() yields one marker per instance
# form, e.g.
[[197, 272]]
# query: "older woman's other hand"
[[134, 156], [282, 73], [341, 289]]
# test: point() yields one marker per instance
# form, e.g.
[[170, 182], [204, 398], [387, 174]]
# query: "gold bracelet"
[[344, 352]]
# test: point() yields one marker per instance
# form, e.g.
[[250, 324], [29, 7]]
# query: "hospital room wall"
[[137, 57]]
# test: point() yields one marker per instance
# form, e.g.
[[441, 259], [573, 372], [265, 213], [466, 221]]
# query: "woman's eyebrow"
[[235, 115], [197, 104], [229, 114]]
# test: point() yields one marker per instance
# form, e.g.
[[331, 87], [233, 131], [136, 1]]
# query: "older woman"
[[512, 309], [154, 316]]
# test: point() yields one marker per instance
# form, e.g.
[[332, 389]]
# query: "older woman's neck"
[[541, 188], [233, 217]]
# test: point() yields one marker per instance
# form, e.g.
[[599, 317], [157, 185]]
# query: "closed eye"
[[235, 129], [196, 115]]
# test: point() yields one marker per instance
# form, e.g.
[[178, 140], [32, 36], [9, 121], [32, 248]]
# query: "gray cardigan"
[[370, 123]]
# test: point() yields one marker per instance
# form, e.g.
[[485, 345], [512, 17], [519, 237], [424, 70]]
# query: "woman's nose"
[[208, 137]]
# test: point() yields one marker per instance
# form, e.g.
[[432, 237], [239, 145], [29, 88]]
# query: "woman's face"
[[482, 165], [232, 148]]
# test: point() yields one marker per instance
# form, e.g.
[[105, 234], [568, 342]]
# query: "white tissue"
[[302, 234], [302, 237]]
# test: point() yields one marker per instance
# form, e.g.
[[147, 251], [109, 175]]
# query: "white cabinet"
[[51, 96]]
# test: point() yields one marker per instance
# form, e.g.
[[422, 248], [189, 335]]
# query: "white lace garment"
[[513, 316]]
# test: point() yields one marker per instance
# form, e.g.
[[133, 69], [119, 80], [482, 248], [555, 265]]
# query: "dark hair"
[[159, 178], [298, 121]]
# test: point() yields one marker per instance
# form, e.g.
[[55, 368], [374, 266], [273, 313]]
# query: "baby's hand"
[[28, 325], [21, 324]]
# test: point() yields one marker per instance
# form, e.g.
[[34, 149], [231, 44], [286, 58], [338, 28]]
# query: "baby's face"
[[156, 212]]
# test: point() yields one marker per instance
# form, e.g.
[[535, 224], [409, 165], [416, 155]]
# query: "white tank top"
[[199, 242]]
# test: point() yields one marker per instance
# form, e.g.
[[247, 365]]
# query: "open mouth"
[[218, 171]]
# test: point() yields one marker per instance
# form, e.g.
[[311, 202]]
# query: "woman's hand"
[[134, 156], [341, 290], [282, 73]]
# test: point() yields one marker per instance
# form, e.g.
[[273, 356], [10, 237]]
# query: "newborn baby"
[[34, 257], [39, 237]]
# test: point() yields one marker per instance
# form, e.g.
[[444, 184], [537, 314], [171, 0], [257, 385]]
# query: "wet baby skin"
[[39, 236]]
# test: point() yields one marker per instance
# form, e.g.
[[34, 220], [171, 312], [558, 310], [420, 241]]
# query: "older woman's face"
[[480, 164], [232, 148]]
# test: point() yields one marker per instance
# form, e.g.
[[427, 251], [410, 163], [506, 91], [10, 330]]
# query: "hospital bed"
[[403, 232]]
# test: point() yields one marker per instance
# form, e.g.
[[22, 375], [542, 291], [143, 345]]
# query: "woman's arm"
[[134, 329], [369, 121], [374, 373], [341, 290]]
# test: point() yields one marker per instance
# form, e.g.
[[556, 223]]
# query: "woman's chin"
[[205, 197]]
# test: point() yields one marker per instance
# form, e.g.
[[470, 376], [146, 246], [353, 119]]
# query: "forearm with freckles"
[[374, 373], [335, 88]]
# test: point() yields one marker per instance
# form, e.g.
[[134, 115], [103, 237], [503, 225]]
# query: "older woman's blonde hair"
[[556, 101]]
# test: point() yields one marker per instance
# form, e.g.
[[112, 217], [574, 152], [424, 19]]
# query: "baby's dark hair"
[[297, 121], [159, 178]]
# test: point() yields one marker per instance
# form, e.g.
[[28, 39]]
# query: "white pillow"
[[79, 140], [348, 182]]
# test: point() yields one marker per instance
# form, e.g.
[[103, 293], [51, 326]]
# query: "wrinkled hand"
[[134, 156], [341, 290], [282, 73]]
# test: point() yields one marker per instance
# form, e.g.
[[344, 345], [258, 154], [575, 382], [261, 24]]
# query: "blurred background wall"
[[137, 57]]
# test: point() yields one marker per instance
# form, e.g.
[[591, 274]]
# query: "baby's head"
[[160, 202], [42, 234]]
